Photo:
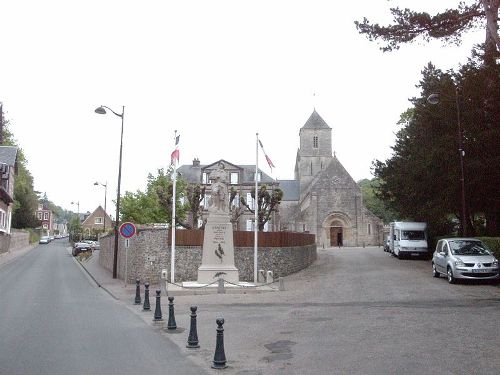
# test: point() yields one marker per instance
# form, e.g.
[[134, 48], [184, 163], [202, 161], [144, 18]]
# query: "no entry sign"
[[127, 230]]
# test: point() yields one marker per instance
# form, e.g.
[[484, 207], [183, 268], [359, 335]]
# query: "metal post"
[[146, 306], [219, 356], [137, 300], [256, 211], [462, 174], [158, 316], [193, 333], [171, 316]]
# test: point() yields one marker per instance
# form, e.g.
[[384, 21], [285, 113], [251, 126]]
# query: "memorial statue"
[[219, 199]]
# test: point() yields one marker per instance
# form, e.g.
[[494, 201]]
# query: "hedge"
[[493, 244]]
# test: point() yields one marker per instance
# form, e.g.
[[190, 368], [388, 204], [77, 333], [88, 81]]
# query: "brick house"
[[97, 222], [8, 169], [46, 217]]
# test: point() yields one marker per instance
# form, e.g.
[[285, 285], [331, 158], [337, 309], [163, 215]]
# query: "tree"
[[155, 204], [25, 198], [373, 203], [421, 179], [267, 203], [195, 193], [449, 25]]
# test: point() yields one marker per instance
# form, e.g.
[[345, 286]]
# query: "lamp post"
[[434, 99], [105, 199], [102, 111]]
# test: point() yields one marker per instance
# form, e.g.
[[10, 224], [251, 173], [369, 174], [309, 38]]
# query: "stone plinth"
[[218, 251]]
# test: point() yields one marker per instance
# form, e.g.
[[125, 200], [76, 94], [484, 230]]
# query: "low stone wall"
[[149, 253], [19, 240]]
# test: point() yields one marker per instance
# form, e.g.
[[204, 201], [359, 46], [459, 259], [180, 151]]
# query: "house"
[[47, 219], [322, 199], [8, 169], [241, 178], [96, 222]]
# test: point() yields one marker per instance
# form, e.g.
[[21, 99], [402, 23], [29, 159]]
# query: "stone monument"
[[218, 247]]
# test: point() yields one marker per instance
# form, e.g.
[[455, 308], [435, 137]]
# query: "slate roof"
[[291, 189], [315, 122], [8, 155]]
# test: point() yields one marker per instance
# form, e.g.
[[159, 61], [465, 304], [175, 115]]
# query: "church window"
[[315, 141]]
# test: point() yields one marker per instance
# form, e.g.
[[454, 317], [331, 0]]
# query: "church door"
[[336, 236]]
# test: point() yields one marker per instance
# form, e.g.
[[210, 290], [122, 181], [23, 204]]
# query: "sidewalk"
[[210, 306]]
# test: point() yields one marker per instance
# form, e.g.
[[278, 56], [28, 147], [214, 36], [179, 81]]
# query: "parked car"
[[464, 258], [79, 247], [93, 244], [44, 239]]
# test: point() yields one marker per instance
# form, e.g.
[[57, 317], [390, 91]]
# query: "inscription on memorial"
[[219, 234]]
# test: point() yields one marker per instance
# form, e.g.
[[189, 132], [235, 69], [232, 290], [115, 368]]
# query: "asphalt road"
[[355, 311], [54, 320]]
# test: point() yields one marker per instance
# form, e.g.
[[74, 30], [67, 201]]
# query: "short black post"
[[146, 306], [171, 317], [219, 356], [137, 300], [157, 317], [193, 333]]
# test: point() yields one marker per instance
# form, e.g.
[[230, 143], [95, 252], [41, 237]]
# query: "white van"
[[408, 239]]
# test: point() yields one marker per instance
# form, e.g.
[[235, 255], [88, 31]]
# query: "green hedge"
[[493, 244]]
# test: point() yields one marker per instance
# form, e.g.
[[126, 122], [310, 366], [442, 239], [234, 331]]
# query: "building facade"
[[47, 220], [96, 222], [322, 199], [8, 169]]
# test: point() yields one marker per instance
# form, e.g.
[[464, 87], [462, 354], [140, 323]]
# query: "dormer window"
[[315, 141]]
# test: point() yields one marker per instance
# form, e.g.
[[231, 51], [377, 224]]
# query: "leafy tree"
[[267, 203], [421, 180], [373, 203], [194, 194], [25, 198], [449, 26], [155, 204]]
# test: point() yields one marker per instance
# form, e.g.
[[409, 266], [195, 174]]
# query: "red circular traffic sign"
[[127, 230]]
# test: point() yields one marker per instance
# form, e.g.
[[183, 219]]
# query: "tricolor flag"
[[174, 156], [271, 165]]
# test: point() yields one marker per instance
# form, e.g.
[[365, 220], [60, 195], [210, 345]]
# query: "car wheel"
[[435, 273], [451, 278]]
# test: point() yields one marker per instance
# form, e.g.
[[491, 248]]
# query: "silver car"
[[464, 258]]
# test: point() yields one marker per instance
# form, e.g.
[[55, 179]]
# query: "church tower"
[[315, 150]]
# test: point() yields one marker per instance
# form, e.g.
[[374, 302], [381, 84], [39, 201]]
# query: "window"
[[204, 178], [369, 228], [99, 220], [250, 226], [303, 228], [266, 226], [315, 141], [45, 216], [3, 221], [206, 198], [236, 201], [200, 223], [259, 176], [250, 201], [39, 214], [234, 178]]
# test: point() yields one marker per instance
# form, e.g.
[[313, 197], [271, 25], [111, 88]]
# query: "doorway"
[[336, 236]]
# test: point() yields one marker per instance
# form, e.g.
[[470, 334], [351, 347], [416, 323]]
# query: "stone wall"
[[19, 240], [149, 253]]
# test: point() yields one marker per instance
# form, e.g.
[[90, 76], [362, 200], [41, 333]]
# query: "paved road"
[[54, 320], [355, 311]]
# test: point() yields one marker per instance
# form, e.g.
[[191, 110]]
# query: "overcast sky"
[[217, 71]]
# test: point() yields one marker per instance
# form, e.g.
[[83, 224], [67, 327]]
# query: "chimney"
[[196, 162]]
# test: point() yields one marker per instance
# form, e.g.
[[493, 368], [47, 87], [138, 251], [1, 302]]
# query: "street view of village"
[[225, 264]]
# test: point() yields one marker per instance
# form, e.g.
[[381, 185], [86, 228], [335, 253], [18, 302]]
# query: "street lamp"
[[105, 195], [434, 99], [102, 111], [77, 204]]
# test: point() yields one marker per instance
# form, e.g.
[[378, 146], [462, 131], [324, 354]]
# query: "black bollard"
[[146, 306], [171, 317], [219, 356], [193, 334], [157, 317], [137, 300]]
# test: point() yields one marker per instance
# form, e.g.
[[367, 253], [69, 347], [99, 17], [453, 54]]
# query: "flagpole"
[[172, 261], [256, 209]]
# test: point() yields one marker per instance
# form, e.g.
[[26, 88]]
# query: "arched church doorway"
[[336, 236]]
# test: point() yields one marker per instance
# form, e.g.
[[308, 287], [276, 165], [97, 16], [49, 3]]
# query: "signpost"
[[127, 231]]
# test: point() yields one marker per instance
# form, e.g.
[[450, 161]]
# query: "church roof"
[[315, 122], [291, 189]]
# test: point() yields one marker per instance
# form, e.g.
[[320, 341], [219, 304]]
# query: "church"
[[322, 199]]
